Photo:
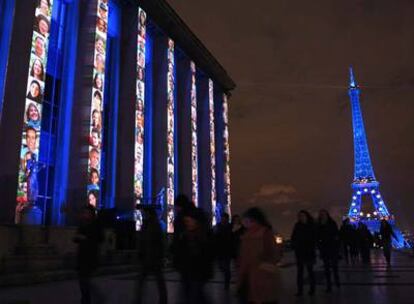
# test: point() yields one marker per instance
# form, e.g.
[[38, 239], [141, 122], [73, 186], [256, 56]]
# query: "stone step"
[[29, 278]]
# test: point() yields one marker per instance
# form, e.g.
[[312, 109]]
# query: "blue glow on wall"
[[6, 26]]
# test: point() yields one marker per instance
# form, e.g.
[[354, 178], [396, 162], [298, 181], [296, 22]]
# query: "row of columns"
[[71, 151]]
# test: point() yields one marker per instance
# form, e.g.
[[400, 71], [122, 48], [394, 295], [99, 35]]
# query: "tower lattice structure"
[[365, 183]]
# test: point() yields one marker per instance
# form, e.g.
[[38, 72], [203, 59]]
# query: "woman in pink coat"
[[258, 274]]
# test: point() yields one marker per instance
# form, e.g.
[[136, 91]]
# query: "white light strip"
[[212, 152], [194, 143], [226, 154], [170, 136]]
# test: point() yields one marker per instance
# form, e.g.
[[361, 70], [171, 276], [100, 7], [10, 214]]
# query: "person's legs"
[[140, 285], [227, 272], [387, 252], [162, 287], [311, 274], [334, 265], [327, 269], [85, 288], [299, 276]]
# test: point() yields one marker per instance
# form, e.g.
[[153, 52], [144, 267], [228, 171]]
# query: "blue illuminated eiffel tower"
[[365, 183]]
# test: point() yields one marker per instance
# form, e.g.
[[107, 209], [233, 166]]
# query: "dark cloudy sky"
[[290, 119]]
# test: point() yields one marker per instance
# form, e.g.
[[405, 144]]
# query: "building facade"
[[111, 103]]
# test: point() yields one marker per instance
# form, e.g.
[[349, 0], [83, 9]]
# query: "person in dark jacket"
[[365, 241], [151, 248], [223, 247], [304, 245], [387, 234], [237, 230], [328, 244], [194, 255], [347, 233], [88, 238]]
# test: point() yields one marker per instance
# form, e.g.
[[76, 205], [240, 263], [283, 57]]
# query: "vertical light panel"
[[97, 102], [212, 151], [194, 143], [139, 107], [226, 153], [29, 153], [170, 136]]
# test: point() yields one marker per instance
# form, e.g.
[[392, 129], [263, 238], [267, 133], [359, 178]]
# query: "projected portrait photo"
[[98, 82], [42, 25], [30, 142], [100, 63], [141, 74], [93, 180], [97, 100], [43, 7], [93, 197], [95, 138], [39, 46], [32, 117], [103, 11], [37, 70], [35, 91], [94, 158], [100, 45], [96, 119], [101, 25]]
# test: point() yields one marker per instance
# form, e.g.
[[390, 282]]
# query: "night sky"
[[290, 118]]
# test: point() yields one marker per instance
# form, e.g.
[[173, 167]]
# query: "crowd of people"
[[245, 243]]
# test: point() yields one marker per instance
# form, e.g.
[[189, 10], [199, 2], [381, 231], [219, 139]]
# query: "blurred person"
[[346, 234], [387, 233], [194, 255], [151, 255], [88, 237], [237, 230], [304, 245], [328, 244], [258, 280], [365, 241], [223, 246]]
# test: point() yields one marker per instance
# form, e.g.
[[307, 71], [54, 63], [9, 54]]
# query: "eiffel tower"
[[365, 184]]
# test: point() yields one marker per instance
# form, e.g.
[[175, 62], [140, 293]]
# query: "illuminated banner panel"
[[139, 107], [97, 102], [170, 136], [27, 191], [194, 147], [212, 152], [226, 153]]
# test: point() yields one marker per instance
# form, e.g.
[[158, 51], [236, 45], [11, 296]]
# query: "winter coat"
[[304, 242], [328, 239]]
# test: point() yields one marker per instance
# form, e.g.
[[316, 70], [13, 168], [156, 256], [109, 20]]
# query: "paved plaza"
[[361, 284]]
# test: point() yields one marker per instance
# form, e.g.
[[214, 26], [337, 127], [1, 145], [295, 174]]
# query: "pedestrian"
[[346, 234], [223, 247], [328, 244], [365, 241], [258, 280], [89, 236], [151, 257], [194, 255], [304, 245], [387, 233], [237, 230], [353, 242]]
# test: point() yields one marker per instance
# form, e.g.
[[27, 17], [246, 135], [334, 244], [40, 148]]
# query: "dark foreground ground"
[[361, 284]]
